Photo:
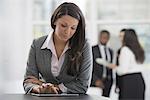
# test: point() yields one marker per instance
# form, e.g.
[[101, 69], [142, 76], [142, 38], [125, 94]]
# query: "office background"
[[23, 20]]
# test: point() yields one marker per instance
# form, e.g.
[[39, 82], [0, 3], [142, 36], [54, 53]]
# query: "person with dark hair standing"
[[121, 36], [102, 76], [60, 62], [132, 85]]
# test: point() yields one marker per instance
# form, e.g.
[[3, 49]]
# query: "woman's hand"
[[99, 83], [112, 66], [45, 88], [41, 87], [117, 89]]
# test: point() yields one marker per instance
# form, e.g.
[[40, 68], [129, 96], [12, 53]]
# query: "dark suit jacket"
[[97, 68], [39, 62]]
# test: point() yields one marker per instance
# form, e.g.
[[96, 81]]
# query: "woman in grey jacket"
[[61, 61]]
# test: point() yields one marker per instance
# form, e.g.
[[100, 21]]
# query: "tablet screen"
[[53, 95]]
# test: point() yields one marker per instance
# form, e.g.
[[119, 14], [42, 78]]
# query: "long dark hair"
[[78, 39], [131, 40]]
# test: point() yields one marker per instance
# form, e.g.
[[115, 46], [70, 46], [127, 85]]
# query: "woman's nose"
[[67, 31]]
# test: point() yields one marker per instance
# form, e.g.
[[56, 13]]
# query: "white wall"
[[15, 40]]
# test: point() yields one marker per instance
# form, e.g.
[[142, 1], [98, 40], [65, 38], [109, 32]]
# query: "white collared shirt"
[[127, 62], [103, 56], [56, 64], [102, 51]]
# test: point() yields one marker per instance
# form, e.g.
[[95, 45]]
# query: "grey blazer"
[[39, 64]]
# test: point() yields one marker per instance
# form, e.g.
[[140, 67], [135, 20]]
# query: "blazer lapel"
[[47, 54], [98, 52], [64, 63]]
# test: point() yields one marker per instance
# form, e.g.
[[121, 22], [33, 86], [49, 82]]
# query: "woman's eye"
[[73, 28], [63, 25]]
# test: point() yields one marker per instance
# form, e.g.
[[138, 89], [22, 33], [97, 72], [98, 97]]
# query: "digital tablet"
[[54, 95]]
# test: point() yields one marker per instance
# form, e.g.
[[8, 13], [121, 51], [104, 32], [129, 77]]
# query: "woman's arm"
[[83, 80], [31, 71], [124, 61]]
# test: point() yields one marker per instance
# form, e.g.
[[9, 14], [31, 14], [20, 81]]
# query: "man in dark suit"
[[102, 76]]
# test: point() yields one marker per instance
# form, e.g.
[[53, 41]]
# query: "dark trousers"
[[107, 87], [132, 87]]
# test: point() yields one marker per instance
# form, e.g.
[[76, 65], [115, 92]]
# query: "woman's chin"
[[64, 39]]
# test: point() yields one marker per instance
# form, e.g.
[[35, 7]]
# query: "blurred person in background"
[[121, 36], [62, 61], [131, 59], [102, 76]]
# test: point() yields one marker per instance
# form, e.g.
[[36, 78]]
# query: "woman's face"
[[121, 36], [65, 28]]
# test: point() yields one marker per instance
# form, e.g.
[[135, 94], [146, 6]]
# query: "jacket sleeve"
[[95, 71], [31, 70], [83, 80], [94, 76]]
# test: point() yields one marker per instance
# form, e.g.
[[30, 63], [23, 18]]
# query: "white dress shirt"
[[102, 52], [127, 62], [56, 63], [103, 56]]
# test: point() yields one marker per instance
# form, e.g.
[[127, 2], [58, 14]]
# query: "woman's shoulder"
[[39, 41], [126, 49], [42, 38], [87, 43]]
